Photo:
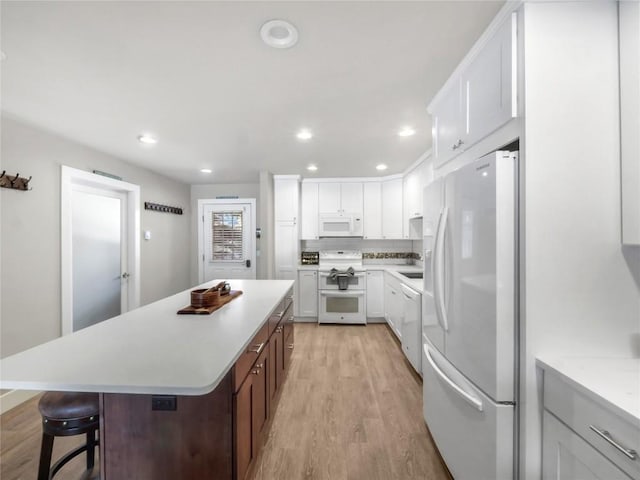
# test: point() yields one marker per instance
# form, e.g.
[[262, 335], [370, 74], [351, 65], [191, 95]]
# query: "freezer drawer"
[[473, 434]]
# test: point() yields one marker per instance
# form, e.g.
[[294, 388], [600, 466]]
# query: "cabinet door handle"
[[255, 372], [629, 452], [290, 346], [257, 348], [259, 365]]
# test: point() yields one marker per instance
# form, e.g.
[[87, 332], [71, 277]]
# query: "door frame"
[[70, 177], [200, 222]]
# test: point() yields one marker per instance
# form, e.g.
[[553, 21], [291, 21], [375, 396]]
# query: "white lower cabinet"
[[393, 304], [307, 293], [375, 294], [582, 437], [566, 456]]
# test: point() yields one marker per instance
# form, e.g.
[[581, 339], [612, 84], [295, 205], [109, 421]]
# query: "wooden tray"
[[189, 310]]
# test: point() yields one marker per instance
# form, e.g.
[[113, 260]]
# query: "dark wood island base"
[[213, 436]]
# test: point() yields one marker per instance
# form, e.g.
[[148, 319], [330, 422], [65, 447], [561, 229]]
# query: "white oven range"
[[346, 305]]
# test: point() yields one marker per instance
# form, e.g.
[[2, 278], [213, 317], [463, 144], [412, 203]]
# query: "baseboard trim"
[[13, 398], [306, 319]]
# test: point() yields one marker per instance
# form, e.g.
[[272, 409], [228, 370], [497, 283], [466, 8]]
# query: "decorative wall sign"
[[156, 207]]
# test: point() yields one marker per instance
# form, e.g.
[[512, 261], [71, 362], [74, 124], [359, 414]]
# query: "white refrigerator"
[[469, 317]]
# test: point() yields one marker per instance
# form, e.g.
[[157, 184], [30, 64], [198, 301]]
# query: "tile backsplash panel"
[[392, 252]]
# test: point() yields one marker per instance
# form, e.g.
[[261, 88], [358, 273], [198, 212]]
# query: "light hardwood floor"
[[351, 409]]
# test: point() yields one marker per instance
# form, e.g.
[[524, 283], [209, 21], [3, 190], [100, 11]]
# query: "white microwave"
[[344, 225]]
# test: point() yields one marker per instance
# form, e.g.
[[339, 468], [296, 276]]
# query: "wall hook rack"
[[15, 182], [156, 207]]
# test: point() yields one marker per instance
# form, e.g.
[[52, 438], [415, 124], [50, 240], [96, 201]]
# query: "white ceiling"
[[197, 75]]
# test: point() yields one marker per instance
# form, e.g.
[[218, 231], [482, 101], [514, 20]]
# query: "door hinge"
[[202, 218], [203, 257]]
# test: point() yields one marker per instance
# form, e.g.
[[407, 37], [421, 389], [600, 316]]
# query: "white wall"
[[211, 191], [581, 294], [30, 237]]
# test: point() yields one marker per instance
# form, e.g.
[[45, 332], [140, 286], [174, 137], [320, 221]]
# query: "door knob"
[[248, 263], [126, 275]]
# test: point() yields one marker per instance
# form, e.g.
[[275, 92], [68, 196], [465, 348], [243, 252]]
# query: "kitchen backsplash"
[[373, 251]]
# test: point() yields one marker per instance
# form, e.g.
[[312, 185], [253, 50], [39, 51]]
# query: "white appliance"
[[469, 317], [411, 327], [347, 305], [340, 225]]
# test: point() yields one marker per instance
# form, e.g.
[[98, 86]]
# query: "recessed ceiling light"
[[312, 168], [304, 134], [381, 166], [147, 139], [206, 170], [406, 132], [279, 34]]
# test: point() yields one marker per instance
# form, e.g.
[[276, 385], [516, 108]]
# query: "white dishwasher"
[[412, 327]]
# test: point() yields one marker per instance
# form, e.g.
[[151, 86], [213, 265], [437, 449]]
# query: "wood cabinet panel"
[[243, 428], [259, 399], [248, 358], [193, 441]]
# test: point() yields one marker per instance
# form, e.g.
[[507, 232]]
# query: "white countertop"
[[416, 284], [151, 349], [612, 382]]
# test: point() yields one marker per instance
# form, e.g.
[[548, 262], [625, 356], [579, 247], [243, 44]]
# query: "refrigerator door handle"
[[470, 399], [434, 270], [439, 278]]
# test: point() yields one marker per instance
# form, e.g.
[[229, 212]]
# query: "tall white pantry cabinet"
[[286, 200]]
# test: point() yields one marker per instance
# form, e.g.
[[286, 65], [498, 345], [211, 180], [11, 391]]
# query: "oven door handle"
[[339, 293], [355, 275]]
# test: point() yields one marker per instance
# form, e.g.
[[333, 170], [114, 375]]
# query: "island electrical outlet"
[[164, 402]]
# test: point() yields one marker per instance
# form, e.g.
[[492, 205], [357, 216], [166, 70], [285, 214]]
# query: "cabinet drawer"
[[249, 356], [279, 311], [581, 413]]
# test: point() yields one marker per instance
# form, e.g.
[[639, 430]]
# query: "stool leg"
[[45, 456], [91, 448]]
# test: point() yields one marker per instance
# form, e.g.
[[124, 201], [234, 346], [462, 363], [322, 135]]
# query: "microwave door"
[[335, 227]]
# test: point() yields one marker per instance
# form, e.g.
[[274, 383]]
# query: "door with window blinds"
[[228, 244]]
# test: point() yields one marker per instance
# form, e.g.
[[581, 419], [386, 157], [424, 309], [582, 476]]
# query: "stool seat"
[[69, 405], [65, 414]]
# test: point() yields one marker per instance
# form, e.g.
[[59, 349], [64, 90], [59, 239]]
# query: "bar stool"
[[65, 414]]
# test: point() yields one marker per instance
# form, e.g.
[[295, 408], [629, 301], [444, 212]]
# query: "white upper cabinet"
[[412, 192], [329, 198], [286, 192], [372, 210], [309, 211], [480, 99], [340, 198], [629, 21], [448, 124], [351, 196], [489, 85], [392, 209]]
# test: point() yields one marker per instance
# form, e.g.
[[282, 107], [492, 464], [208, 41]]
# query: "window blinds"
[[226, 236]]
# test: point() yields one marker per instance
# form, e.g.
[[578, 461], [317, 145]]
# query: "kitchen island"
[[181, 396]]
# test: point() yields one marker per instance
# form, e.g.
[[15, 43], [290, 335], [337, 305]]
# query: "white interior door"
[[227, 249], [99, 255], [99, 248]]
